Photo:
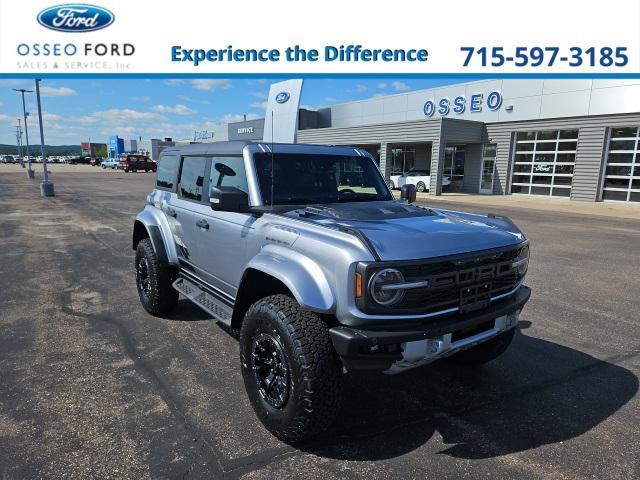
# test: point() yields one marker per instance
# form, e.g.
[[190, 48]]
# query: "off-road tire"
[[486, 351], [314, 390], [161, 297], [421, 187]]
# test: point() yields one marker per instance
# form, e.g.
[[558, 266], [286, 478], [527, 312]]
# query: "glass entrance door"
[[453, 171], [488, 167]]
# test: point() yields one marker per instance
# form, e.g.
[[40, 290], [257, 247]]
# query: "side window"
[[228, 172], [167, 168], [192, 177]]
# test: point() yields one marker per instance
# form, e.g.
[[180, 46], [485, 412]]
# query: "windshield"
[[312, 178]]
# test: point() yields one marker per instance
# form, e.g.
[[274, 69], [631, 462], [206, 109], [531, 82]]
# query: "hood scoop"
[[366, 211]]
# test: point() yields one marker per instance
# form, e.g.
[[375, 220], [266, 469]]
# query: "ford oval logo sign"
[[282, 97], [75, 17]]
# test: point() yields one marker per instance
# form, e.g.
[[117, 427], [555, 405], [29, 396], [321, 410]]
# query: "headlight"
[[522, 262], [386, 277]]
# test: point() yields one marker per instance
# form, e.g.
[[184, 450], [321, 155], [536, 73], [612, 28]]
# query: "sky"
[[76, 110]]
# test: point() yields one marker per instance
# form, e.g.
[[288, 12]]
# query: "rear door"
[[187, 207]]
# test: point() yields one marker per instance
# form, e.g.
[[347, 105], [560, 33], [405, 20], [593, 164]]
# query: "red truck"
[[133, 163]]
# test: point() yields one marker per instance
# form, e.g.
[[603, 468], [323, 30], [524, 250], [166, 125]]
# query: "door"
[[224, 245], [188, 209], [487, 168], [211, 244]]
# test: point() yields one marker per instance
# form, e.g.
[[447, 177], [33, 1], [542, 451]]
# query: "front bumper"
[[383, 349]]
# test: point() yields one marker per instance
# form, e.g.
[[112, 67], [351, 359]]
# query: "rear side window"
[[228, 172], [192, 177], [167, 168]]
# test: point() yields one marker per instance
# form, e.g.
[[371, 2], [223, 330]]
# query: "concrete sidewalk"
[[605, 209]]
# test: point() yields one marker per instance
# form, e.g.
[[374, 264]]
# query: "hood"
[[399, 231]]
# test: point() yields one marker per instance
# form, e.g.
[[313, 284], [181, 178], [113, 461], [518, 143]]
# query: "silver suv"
[[304, 250]]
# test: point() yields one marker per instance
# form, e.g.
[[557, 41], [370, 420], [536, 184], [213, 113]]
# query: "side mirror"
[[229, 199], [408, 193]]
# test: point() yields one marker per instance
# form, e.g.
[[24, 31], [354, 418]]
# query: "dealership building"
[[570, 138]]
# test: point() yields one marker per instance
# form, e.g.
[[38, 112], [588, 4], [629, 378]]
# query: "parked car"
[[111, 163], [420, 179], [133, 163], [7, 159], [95, 162], [320, 277]]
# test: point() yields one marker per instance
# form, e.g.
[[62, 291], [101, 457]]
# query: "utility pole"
[[26, 129], [46, 187]]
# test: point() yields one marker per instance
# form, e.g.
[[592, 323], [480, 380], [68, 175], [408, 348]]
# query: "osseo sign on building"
[[460, 103]]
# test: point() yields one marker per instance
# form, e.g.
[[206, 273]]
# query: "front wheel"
[[291, 372], [154, 280], [486, 351], [421, 187]]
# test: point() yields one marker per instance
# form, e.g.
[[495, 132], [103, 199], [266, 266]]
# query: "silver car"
[[304, 250]]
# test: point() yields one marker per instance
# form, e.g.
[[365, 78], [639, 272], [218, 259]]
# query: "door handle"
[[202, 223], [171, 212]]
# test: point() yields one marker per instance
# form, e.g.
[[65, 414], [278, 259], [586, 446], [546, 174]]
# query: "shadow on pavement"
[[537, 393]]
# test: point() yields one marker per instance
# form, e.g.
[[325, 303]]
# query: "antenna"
[[273, 171]]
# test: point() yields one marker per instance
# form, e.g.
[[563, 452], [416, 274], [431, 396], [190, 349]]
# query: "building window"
[[403, 159], [544, 161], [622, 173]]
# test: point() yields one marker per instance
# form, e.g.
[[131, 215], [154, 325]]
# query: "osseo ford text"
[[71, 49]]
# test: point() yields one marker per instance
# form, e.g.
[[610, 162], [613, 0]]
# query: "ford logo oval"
[[282, 97], [75, 17]]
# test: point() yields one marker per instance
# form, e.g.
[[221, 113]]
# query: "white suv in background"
[[420, 178]]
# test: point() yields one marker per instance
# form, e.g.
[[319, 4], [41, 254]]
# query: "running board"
[[202, 297]]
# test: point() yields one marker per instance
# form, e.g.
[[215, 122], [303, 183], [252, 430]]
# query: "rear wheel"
[[421, 187], [486, 351], [391, 185], [154, 280], [291, 372]]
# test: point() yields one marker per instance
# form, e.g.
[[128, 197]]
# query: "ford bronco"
[[305, 252]]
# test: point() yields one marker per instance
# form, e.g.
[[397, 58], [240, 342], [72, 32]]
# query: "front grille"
[[453, 280]]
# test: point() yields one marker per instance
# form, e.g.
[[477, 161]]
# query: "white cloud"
[[140, 99], [209, 84], [260, 95], [178, 109], [361, 88], [331, 99], [400, 86], [260, 105], [116, 116], [382, 85], [236, 117], [50, 117], [47, 91], [174, 81]]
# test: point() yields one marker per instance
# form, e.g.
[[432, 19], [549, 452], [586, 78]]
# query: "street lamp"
[[46, 187], [26, 129]]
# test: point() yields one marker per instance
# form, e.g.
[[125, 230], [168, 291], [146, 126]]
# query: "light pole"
[[46, 187], [19, 141], [26, 129]]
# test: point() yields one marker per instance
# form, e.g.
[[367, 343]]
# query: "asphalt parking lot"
[[91, 386]]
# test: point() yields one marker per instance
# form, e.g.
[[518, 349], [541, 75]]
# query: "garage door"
[[544, 162], [622, 173]]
